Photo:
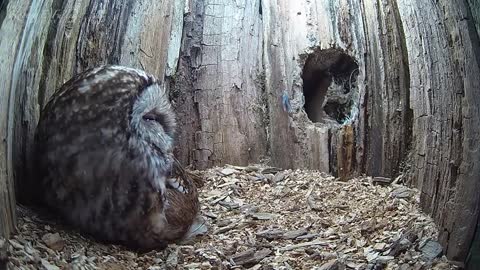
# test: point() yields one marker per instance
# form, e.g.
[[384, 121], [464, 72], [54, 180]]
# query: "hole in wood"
[[329, 79]]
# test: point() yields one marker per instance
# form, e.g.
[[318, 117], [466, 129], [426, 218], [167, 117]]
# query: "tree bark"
[[9, 18], [237, 72], [217, 90], [444, 54]]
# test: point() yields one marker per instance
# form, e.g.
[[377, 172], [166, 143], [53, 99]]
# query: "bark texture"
[[399, 80], [474, 10], [443, 55], [11, 33], [217, 93]]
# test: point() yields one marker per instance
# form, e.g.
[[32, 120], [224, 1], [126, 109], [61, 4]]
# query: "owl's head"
[[152, 118], [110, 107]]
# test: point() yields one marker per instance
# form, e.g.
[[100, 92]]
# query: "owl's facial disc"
[[154, 116], [153, 119], [155, 124]]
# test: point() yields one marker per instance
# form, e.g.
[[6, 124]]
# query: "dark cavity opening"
[[329, 80]]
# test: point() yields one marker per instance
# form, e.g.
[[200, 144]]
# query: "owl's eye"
[[150, 117], [156, 117]]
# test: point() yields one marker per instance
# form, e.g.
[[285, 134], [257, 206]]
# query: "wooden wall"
[[444, 58]]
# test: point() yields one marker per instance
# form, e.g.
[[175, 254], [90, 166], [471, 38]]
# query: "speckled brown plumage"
[[104, 159]]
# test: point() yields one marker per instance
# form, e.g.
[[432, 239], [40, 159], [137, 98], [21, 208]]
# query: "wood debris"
[[305, 244], [250, 257], [263, 218], [53, 241], [382, 180], [332, 265], [431, 249]]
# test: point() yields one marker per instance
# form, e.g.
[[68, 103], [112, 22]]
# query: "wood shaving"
[[298, 219]]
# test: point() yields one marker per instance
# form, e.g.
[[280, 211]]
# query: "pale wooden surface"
[[11, 32], [444, 84], [220, 103], [228, 64]]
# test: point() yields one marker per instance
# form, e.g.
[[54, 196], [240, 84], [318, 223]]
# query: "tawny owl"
[[104, 156]]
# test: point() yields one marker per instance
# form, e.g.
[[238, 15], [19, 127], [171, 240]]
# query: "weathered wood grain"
[[11, 31], [474, 10], [387, 103], [217, 92], [291, 30], [443, 56]]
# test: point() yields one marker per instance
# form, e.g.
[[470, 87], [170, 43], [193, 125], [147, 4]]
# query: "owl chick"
[[103, 156]]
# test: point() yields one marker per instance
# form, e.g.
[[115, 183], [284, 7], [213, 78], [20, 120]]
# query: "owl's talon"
[[175, 184]]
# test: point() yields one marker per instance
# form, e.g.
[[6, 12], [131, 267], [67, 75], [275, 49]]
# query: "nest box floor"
[[262, 218]]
